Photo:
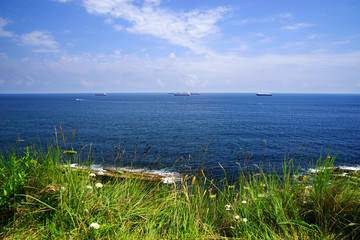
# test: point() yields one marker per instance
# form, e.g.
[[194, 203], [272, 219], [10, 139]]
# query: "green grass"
[[41, 200]]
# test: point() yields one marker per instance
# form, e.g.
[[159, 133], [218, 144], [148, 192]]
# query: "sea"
[[216, 132]]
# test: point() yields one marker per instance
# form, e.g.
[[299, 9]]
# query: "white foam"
[[350, 168], [169, 177], [72, 165], [313, 170], [162, 173]]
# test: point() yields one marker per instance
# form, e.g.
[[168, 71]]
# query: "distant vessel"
[[264, 94], [100, 94], [182, 94]]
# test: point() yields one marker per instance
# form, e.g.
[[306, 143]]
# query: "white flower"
[[244, 220], [86, 210], [94, 225], [98, 185], [168, 180], [92, 175], [227, 207], [237, 217], [244, 202], [89, 187], [100, 173]]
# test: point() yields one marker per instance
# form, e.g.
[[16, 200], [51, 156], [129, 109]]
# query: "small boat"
[[182, 94], [264, 94], [100, 94]]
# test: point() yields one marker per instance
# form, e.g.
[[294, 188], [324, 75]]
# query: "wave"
[[166, 176]]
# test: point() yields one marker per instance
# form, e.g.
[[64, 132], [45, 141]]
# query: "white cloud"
[[29, 80], [108, 21], [117, 51], [191, 80], [160, 83], [3, 33], [3, 55], [172, 55], [41, 41], [118, 27], [153, 2], [316, 36], [87, 83], [297, 26], [278, 17], [242, 46], [187, 29], [18, 82], [219, 73]]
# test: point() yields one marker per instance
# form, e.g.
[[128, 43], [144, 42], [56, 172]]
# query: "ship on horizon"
[[185, 93], [100, 94], [264, 94], [182, 94]]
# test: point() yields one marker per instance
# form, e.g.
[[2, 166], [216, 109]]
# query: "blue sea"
[[171, 133]]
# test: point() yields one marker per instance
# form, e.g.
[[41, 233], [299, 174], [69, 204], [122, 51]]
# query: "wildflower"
[[92, 175], [260, 195], [89, 187], [86, 210], [227, 207], [244, 220], [168, 180], [244, 202], [94, 225], [237, 217], [101, 173], [98, 185]]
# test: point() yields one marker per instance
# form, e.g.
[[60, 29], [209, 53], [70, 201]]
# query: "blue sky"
[[60, 46]]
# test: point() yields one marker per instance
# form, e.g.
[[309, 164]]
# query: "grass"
[[41, 200]]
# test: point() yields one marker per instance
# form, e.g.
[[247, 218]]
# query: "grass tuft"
[[40, 199]]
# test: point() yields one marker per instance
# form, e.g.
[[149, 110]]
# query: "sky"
[[121, 46]]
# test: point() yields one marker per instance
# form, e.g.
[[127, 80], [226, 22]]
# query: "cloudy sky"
[[60, 46]]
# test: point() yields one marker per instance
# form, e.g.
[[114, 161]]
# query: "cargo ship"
[[264, 94], [182, 94], [100, 94]]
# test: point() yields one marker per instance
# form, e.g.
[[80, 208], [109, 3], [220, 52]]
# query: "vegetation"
[[41, 200]]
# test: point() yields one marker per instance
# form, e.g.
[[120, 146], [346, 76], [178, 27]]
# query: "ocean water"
[[195, 132]]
